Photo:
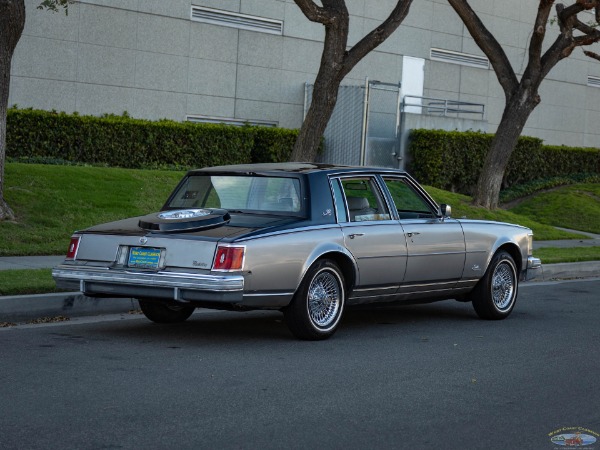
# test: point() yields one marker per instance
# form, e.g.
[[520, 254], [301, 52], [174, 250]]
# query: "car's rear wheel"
[[495, 295], [163, 313], [317, 306]]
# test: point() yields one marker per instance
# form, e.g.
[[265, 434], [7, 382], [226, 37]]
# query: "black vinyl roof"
[[291, 167]]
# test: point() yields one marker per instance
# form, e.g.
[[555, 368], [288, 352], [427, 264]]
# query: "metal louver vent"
[[464, 59], [231, 121], [593, 81], [236, 20]]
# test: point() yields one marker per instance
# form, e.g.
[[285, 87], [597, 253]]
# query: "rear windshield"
[[239, 193]]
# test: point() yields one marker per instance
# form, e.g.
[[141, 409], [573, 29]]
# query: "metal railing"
[[440, 106]]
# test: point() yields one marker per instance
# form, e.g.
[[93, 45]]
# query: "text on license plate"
[[148, 258]]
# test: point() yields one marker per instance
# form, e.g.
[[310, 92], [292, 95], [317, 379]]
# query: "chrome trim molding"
[[436, 254], [395, 288], [192, 281], [269, 294], [290, 231]]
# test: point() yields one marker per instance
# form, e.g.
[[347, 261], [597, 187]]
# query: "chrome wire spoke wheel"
[[495, 295], [324, 298], [318, 305], [503, 286]]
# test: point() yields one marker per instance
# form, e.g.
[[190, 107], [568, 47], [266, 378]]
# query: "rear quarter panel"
[[278, 262]]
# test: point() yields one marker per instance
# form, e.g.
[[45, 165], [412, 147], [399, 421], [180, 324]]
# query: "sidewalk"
[[594, 241], [27, 307]]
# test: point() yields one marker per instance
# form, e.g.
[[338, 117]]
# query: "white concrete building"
[[249, 60]]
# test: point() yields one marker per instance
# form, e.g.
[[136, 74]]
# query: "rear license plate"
[[144, 257]]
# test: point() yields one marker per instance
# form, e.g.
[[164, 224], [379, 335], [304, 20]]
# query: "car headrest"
[[355, 203]]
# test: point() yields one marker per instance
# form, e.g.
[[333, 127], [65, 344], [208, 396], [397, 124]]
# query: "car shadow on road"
[[269, 326]]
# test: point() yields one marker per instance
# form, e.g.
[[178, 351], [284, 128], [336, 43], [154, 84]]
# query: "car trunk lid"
[[123, 244]]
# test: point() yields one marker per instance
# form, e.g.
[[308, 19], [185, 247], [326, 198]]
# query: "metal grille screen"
[[344, 132], [382, 131]]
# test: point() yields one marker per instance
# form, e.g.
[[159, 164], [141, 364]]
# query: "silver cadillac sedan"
[[305, 239]]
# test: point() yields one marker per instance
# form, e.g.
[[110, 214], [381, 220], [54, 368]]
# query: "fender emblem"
[[475, 268]]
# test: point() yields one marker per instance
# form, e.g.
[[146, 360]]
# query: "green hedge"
[[452, 160], [273, 144], [121, 141]]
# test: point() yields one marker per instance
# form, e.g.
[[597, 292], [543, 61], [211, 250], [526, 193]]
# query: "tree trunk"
[[325, 93], [515, 115], [336, 63], [324, 98], [12, 21]]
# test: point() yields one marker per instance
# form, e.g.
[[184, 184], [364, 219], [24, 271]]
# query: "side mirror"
[[446, 210]]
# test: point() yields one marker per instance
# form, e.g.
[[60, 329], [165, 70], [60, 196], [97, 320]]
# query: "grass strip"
[[576, 207], [27, 281], [462, 208], [553, 255], [51, 202]]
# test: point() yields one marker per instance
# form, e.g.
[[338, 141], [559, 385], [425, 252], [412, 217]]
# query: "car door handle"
[[352, 236], [414, 233]]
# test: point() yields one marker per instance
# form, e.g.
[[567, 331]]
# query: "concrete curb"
[[562, 271], [21, 308]]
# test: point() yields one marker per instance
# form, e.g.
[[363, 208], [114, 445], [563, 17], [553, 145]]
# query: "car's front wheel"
[[317, 306], [495, 295], [162, 313]]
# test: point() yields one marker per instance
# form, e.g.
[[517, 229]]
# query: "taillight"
[[73, 246], [229, 258]]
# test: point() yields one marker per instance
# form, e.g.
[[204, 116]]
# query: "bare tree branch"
[[313, 12], [592, 55], [583, 27], [378, 35], [588, 39], [565, 14], [336, 62], [488, 44], [522, 95], [539, 32]]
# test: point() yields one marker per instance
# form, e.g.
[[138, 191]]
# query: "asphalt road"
[[415, 377]]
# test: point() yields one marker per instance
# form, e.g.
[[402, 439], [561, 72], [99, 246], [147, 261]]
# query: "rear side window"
[[364, 200]]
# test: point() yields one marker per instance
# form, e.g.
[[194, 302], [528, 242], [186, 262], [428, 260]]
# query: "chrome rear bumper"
[[178, 286]]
